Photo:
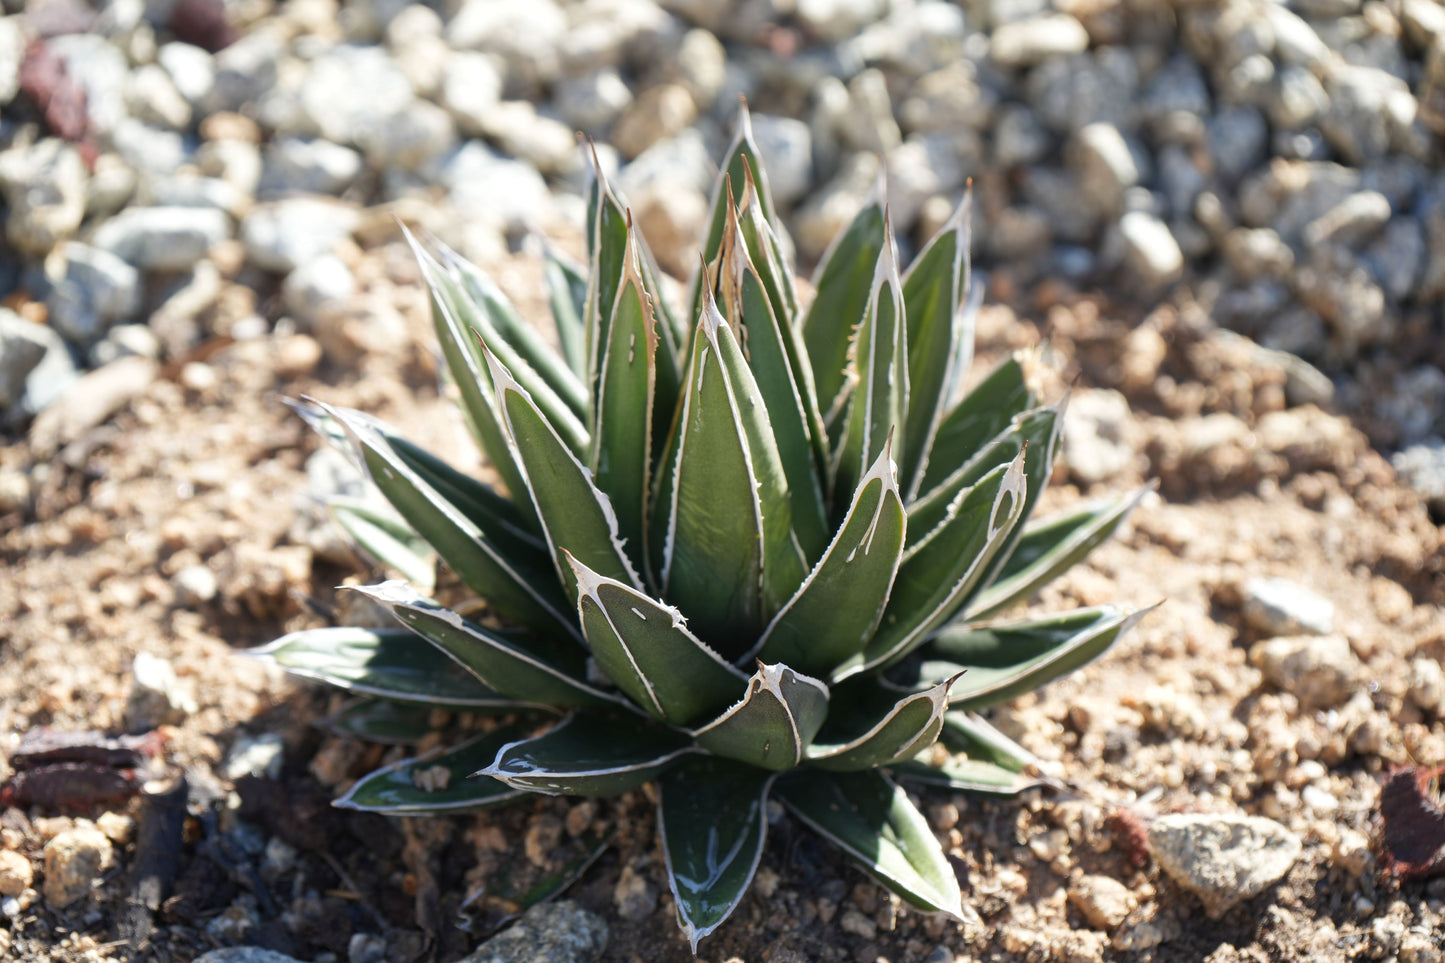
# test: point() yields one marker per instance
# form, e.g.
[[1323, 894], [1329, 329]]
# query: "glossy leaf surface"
[[435, 783], [591, 754], [773, 725]]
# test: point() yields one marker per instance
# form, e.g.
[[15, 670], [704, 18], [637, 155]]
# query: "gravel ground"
[[1225, 219]]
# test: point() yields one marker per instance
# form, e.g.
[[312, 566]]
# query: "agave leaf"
[[771, 262], [939, 344], [468, 369], [934, 581], [729, 559], [576, 517], [436, 783], [774, 723], [388, 663], [836, 609], [512, 585], [526, 668], [971, 735], [968, 775], [385, 536], [567, 295], [381, 720], [1035, 428], [621, 455], [643, 646], [519, 340], [879, 731], [844, 283], [983, 413], [1005, 661], [880, 402], [871, 820], [1051, 546], [770, 350], [740, 166], [591, 754], [494, 514], [476, 312], [711, 815]]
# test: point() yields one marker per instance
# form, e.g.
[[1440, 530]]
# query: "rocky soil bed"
[[1225, 222]]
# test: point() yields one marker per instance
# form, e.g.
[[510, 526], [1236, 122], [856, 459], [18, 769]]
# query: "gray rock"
[[163, 238], [1299, 98], [259, 755], [1018, 138], [658, 113], [1255, 252], [1336, 285], [195, 585], [592, 101], [189, 190], [88, 402], [471, 87], [949, 99], [35, 367], [700, 65], [408, 137], [1024, 43], [321, 284], [191, 70], [1150, 250], [925, 166], [1277, 606], [1351, 221], [44, 186], [832, 20], [1397, 258], [1223, 859], [1177, 99], [1362, 102], [1096, 438], [352, 91], [1422, 467], [560, 932], [244, 954], [868, 123], [157, 696], [683, 159], [12, 49], [1104, 901], [830, 209], [1179, 180], [125, 341], [246, 70], [293, 165], [1056, 193], [1105, 165], [498, 191], [786, 148], [544, 142], [101, 69], [152, 97], [1238, 140], [1071, 92], [153, 152], [237, 162], [1415, 404], [91, 289], [1321, 671], [282, 235], [528, 36]]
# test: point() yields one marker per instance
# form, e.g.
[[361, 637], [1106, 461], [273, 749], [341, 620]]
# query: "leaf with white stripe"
[[983, 413], [644, 647], [774, 723], [437, 782], [383, 535], [874, 730], [590, 754]]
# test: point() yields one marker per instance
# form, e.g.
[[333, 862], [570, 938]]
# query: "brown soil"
[[210, 470]]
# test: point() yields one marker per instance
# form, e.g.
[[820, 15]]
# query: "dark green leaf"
[[877, 731], [436, 783], [385, 536], [645, 648], [984, 759], [880, 400], [576, 517], [512, 585], [1005, 661], [712, 817], [775, 722], [729, 559], [983, 413], [1051, 546], [526, 668], [567, 294], [621, 455], [590, 754], [939, 345], [871, 820], [967, 775], [388, 663], [836, 609], [381, 720], [935, 580]]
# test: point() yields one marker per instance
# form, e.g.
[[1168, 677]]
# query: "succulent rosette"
[[751, 547]]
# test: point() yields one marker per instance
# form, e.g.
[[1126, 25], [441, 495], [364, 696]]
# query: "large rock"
[[74, 861], [283, 235], [44, 186], [1321, 671], [91, 289], [560, 932], [1277, 606], [163, 238], [35, 367], [1223, 859]]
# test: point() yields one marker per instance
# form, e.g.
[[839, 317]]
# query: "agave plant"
[[748, 550]]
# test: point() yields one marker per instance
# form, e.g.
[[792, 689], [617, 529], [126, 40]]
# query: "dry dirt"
[[205, 466]]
